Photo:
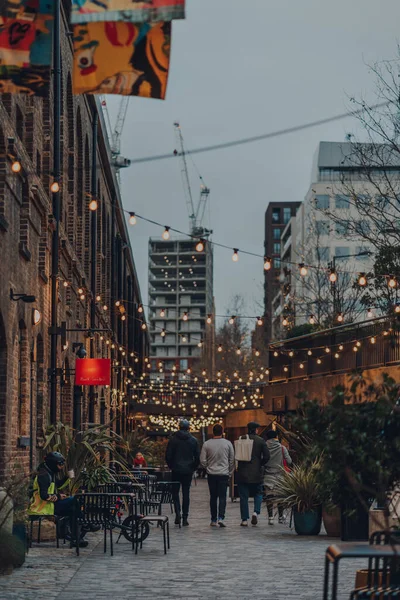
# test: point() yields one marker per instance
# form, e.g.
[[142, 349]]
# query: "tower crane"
[[117, 161], [196, 213]]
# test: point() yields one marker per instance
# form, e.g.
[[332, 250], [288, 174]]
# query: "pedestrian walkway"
[[257, 563]]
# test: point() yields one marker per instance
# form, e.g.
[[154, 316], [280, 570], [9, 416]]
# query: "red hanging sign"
[[93, 371]]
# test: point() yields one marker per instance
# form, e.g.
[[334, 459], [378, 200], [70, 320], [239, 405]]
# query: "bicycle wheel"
[[126, 528]]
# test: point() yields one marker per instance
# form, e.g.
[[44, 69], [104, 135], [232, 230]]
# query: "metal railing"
[[368, 344]]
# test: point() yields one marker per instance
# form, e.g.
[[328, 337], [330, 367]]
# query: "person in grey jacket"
[[273, 469], [218, 458]]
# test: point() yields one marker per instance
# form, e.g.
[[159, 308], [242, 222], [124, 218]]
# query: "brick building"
[[26, 229]]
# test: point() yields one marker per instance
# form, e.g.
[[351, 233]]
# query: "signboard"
[[93, 371], [279, 404]]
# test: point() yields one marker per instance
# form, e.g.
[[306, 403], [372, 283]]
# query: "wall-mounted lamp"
[[24, 297], [36, 316]]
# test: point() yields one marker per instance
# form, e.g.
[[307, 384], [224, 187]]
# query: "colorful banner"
[[93, 371], [88, 11], [122, 58], [26, 30]]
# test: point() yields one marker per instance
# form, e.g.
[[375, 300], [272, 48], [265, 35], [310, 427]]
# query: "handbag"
[[285, 465], [243, 449]]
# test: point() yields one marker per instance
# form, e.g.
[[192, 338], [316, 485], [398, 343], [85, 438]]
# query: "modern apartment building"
[[277, 216], [181, 302]]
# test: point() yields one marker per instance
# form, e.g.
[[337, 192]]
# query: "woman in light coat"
[[278, 453]]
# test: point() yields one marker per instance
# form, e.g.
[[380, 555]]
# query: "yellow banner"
[[122, 58]]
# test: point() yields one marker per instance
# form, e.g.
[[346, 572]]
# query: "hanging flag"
[[122, 58], [87, 11], [26, 30]]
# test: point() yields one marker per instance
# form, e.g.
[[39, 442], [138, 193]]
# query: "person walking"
[[217, 457], [182, 457], [278, 454], [250, 476]]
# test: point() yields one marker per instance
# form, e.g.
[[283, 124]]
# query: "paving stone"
[[263, 563]]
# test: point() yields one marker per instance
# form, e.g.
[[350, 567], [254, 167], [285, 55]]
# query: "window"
[[321, 201], [323, 254], [287, 215], [322, 227], [277, 234], [341, 251], [277, 263], [364, 227], [342, 201], [183, 364], [341, 228], [276, 215], [277, 248]]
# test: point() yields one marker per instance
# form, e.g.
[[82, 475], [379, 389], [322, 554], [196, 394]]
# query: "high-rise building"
[[181, 310], [277, 216]]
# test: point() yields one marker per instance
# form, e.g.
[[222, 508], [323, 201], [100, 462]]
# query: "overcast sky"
[[240, 68]]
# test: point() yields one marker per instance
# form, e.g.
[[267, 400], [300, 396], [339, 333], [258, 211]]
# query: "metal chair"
[[161, 520], [39, 519], [94, 509]]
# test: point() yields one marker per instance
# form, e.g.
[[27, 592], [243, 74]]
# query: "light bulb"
[[238, 351], [397, 309], [362, 280], [98, 298], [341, 347], [260, 321], [65, 284], [276, 353], [163, 333], [140, 308], [267, 263], [333, 276], [301, 366], [166, 234], [232, 320], [370, 314], [144, 326], [16, 166], [184, 339], [373, 340], [235, 255], [220, 348], [392, 282], [162, 313], [80, 291], [337, 355], [118, 303], [303, 270], [200, 344], [319, 361], [93, 205], [311, 320], [105, 307], [309, 353], [200, 246], [55, 187], [340, 317], [82, 296], [132, 218], [327, 350], [185, 316], [355, 349], [285, 322], [209, 319], [123, 318]]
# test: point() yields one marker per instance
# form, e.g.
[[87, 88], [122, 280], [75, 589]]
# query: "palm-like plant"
[[86, 451], [299, 489]]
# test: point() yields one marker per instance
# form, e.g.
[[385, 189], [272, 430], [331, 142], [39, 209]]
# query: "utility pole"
[[56, 209], [93, 264]]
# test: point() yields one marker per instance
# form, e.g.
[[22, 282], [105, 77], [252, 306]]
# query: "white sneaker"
[[243, 524], [270, 520]]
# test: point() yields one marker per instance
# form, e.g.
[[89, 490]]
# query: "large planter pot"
[[332, 521], [307, 523]]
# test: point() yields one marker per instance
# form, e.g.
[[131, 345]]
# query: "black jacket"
[[183, 453], [45, 477], [253, 471]]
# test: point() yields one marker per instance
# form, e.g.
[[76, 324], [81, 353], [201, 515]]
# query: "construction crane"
[[196, 213], [114, 134]]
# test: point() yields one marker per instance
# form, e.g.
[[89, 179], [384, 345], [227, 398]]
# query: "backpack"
[[243, 449]]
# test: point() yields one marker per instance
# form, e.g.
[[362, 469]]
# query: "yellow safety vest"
[[39, 506]]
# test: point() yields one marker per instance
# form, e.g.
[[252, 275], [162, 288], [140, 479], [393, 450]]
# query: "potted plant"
[[13, 530], [299, 491]]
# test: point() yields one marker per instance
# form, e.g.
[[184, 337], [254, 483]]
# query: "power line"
[[264, 136]]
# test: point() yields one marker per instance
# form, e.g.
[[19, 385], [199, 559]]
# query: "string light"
[[185, 316], [209, 319], [235, 255], [327, 350], [267, 263], [163, 334], [337, 355], [123, 317], [65, 284], [341, 347], [200, 245], [105, 307], [311, 320], [232, 320], [373, 340], [362, 280], [16, 166], [219, 348], [257, 353], [260, 321], [340, 317], [309, 353], [132, 218], [166, 235], [370, 314], [144, 326], [162, 313], [397, 308], [291, 353], [118, 303], [301, 366], [392, 282], [276, 353], [332, 276], [285, 322], [98, 298], [303, 269], [319, 361], [238, 351], [140, 308], [93, 205], [55, 187]]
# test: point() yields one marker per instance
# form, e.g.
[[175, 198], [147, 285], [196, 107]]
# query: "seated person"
[[139, 462], [46, 499]]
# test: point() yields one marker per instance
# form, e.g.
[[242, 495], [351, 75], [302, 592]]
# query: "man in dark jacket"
[[183, 458], [250, 476]]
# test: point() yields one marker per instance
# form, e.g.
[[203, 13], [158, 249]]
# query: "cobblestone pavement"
[[263, 563]]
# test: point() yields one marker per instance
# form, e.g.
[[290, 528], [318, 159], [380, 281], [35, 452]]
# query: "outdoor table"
[[336, 552]]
